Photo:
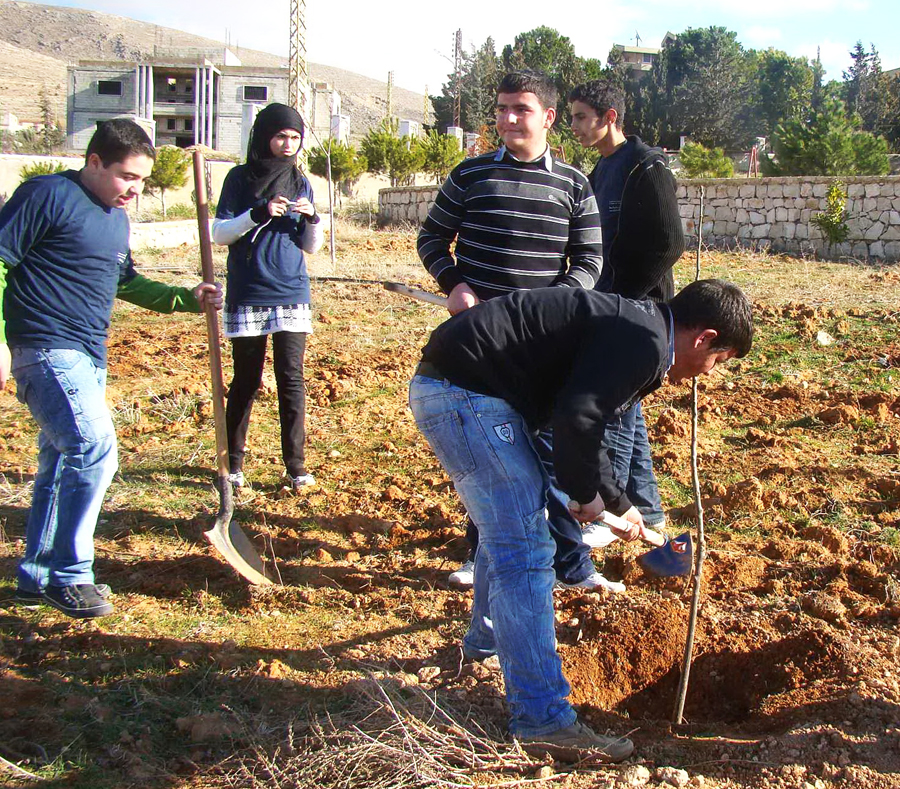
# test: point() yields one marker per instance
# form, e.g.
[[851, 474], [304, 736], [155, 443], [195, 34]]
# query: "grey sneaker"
[[81, 601], [593, 582], [33, 599], [464, 577], [237, 479], [579, 742]]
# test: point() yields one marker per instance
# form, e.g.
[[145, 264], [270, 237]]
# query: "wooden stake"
[[700, 555]]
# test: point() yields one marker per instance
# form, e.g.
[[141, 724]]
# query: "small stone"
[[334, 454], [635, 775], [428, 673], [543, 773], [672, 776]]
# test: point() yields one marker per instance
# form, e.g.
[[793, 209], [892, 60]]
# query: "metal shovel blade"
[[676, 557], [229, 539]]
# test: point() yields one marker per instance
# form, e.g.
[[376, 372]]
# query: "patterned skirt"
[[245, 321]]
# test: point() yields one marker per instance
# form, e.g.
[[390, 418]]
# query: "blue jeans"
[[65, 392], [572, 561], [488, 451], [625, 439]]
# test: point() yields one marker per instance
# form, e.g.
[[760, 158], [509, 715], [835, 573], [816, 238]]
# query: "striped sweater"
[[517, 225]]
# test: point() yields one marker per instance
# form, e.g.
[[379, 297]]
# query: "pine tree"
[[829, 143], [170, 171]]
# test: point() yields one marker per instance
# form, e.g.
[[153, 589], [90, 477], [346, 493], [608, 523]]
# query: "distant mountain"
[[37, 42]]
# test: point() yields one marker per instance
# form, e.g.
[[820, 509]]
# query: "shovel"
[[669, 557], [226, 537]]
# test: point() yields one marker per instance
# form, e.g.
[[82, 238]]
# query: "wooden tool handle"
[[212, 318], [617, 523]]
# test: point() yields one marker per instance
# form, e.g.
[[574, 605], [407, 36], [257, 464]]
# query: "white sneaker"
[[237, 479], [464, 576], [595, 581], [303, 481], [597, 535]]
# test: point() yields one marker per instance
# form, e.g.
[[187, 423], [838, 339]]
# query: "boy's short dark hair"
[[117, 139], [716, 304], [601, 95], [527, 81]]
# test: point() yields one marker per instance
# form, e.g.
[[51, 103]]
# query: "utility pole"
[[457, 78], [390, 96], [298, 71], [426, 110]]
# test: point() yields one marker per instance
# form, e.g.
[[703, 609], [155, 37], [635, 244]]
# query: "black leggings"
[[249, 357]]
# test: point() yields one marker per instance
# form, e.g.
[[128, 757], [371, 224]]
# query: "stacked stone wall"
[[759, 213], [775, 214]]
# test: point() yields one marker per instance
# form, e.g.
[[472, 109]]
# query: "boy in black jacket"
[[489, 380], [642, 240]]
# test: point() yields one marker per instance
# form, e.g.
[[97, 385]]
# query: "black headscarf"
[[269, 176]]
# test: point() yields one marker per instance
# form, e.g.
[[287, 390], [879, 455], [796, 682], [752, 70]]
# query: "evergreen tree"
[[440, 155], [400, 158], [700, 86], [783, 91], [170, 171], [698, 161], [346, 164], [829, 143], [818, 92]]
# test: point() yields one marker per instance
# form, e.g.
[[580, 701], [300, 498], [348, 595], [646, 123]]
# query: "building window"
[[170, 124], [189, 124], [189, 85], [172, 84], [107, 87], [256, 93], [648, 58]]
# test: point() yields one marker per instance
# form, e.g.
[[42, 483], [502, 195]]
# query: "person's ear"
[[611, 116], [705, 338], [549, 117], [94, 161]]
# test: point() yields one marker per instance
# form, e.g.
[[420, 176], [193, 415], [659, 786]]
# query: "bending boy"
[[489, 379]]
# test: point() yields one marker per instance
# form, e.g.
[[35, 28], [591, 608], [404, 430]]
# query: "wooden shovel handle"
[[212, 319]]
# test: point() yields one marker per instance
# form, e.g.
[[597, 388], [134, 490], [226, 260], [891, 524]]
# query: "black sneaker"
[[82, 601], [33, 599]]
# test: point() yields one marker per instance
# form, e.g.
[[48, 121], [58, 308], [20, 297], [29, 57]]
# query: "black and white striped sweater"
[[518, 225]]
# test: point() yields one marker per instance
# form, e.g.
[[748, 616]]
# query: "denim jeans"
[[626, 440], [488, 451], [65, 392], [572, 561]]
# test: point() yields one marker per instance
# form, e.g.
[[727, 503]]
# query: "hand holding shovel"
[[669, 557]]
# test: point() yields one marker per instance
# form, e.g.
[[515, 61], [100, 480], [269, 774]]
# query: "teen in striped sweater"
[[521, 219]]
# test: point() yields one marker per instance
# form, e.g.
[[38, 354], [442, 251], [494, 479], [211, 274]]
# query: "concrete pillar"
[[202, 94], [137, 90], [150, 92], [210, 81], [196, 105]]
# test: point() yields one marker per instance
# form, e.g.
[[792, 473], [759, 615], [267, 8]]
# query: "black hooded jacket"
[[650, 238]]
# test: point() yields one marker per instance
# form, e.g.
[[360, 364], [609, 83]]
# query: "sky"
[[415, 39]]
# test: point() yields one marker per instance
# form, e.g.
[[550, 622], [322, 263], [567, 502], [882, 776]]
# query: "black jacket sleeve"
[[650, 238]]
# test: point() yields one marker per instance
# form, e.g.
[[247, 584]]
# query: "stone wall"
[[759, 213], [405, 204], [774, 214]]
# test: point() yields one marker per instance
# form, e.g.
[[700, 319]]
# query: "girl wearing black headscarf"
[[267, 218]]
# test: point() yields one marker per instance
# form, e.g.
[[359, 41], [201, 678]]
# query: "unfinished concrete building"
[[182, 97]]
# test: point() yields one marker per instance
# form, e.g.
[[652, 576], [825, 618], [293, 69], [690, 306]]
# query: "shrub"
[[831, 220], [40, 168], [697, 161]]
